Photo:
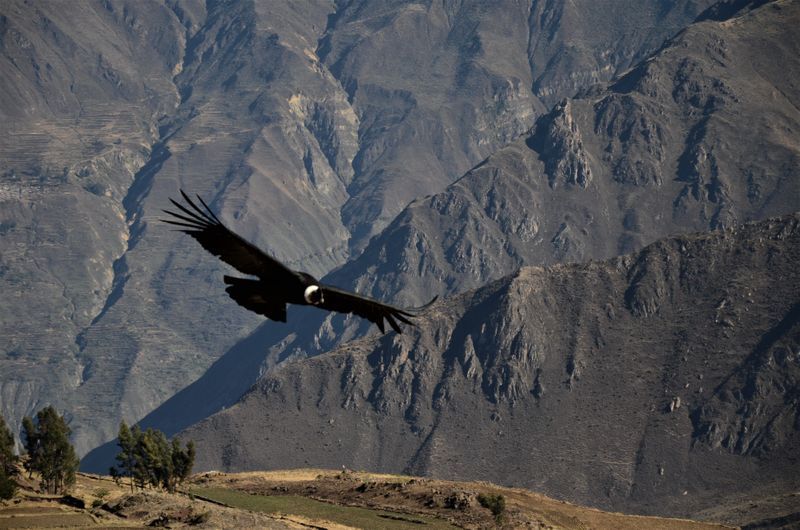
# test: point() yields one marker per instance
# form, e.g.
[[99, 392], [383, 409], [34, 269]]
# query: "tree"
[[182, 462], [127, 455], [139, 472], [49, 451], [154, 452], [8, 462], [31, 441], [148, 458]]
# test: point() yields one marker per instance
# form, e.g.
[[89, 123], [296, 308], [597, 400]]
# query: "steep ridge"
[[441, 85], [661, 382], [698, 136]]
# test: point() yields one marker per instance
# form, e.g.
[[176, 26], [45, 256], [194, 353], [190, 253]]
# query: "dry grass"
[[418, 498], [48, 521], [323, 512], [42, 514], [303, 498], [32, 509]]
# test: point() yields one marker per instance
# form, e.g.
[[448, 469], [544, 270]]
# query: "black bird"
[[277, 285]]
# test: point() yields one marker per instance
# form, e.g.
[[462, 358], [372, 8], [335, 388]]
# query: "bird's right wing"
[[226, 245], [335, 299]]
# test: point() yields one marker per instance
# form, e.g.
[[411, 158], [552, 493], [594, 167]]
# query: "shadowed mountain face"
[[664, 381], [699, 136], [309, 126]]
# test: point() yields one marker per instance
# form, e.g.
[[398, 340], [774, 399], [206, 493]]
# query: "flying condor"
[[277, 285]]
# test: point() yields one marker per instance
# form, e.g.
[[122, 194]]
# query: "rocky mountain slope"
[[319, 120], [665, 382], [82, 92], [701, 135]]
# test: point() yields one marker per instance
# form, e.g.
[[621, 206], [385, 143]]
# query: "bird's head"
[[313, 295]]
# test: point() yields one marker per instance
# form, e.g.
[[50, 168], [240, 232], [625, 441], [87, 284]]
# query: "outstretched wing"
[[335, 299], [229, 247]]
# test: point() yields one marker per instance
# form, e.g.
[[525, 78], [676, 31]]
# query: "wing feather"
[[194, 215], [231, 248], [178, 223], [184, 218], [335, 299], [199, 198]]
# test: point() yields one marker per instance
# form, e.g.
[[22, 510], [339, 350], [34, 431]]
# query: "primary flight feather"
[[276, 285]]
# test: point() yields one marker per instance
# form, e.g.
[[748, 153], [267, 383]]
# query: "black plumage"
[[276, 285]]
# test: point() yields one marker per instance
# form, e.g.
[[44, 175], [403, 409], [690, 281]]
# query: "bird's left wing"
[[335, 299], [226, 245]]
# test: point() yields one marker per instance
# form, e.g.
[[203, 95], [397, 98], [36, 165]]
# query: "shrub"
[[101, 493], [7, 485], [494, 503], [199, 518]]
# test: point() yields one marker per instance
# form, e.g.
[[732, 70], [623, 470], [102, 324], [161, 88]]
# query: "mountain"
[[698, 136], [82, 93], [307, 125], [446, 83], [661, 382]]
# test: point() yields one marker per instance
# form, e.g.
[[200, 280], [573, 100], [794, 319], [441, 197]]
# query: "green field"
[[313, 509]]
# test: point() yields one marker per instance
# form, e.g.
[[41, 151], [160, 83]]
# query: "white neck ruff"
[[311, 289]]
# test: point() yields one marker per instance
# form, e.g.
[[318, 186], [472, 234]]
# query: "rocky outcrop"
[[558, 141], [687, 140]]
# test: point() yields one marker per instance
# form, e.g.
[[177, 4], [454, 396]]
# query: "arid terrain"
[[310, 498], [603, 194], [322, 121]]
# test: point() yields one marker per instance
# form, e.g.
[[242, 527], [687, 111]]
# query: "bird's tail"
[[251, 295]]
